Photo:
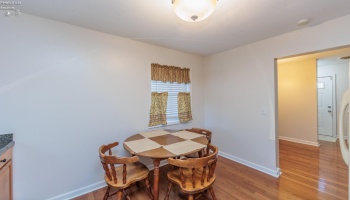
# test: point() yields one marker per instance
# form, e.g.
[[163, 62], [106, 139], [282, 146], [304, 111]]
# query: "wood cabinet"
[[6, 175]]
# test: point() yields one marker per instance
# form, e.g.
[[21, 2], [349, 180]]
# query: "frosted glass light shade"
[[194, 10]]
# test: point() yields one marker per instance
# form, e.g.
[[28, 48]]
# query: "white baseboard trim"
[[93, 187], [327, 138], [80, 191], [345, 137], [317, 144], [275, 173]]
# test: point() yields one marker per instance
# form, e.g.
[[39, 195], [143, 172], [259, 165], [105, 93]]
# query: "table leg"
[[156, 162]]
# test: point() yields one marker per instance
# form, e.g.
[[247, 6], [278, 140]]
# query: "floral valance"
[[171, 74]]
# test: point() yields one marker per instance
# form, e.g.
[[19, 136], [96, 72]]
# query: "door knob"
[[329, 111]]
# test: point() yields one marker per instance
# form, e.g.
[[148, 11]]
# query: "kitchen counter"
[[6, 142]]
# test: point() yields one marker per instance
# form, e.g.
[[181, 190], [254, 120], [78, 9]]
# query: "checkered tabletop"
[[164, 144]]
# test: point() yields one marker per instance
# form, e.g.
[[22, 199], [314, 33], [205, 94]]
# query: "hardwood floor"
[[307, 173]]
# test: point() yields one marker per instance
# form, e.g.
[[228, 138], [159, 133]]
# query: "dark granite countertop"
[[6, 142]]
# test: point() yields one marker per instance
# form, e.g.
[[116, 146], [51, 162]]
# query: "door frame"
[[334, 104]]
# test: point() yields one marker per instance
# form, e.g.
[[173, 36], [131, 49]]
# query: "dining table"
[[162, 144]]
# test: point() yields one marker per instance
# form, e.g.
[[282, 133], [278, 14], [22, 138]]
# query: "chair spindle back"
[[203, 167], [109, 161], [204, 132]]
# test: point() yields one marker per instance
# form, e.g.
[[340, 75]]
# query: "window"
[[170, 95], [173, 89]]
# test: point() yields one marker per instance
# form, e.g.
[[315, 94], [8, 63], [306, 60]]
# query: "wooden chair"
[[127, 172], [194, 175], [204, 132]]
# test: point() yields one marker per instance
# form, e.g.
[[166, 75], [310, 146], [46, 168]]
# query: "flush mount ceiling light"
[[194, 10]]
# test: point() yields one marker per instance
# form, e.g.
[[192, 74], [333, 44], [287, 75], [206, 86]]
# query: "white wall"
[[297, 101], [65, 90], [240, 82], [340, 68]]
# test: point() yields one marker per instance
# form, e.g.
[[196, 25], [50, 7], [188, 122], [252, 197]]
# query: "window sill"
[[169, 124]]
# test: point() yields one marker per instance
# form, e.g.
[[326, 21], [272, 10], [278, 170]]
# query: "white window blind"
[[173, 89]]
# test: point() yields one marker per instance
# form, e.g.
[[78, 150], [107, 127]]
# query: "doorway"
[[326, 109], [300, 123]]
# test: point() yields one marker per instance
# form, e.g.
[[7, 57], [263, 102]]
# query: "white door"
[[325, 104]]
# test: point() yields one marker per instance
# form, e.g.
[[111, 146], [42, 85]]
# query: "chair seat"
[[175, 177], [135, 172], [193, 155]]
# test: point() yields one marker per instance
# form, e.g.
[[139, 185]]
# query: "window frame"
[[173, 89]]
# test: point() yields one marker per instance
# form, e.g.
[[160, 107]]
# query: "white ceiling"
[[234, 22]]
